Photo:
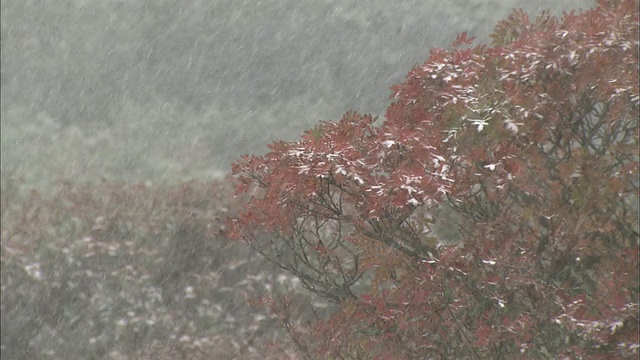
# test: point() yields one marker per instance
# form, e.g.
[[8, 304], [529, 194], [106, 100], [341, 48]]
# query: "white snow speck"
[[491, 166], [388, 143], [34, 271]]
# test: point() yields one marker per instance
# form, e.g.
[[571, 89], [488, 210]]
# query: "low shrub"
[[120, 271]]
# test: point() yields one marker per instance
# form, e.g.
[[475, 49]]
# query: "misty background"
[[170, 90]]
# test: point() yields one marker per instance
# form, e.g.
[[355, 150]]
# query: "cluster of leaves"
[[532, 140], [113, 269]]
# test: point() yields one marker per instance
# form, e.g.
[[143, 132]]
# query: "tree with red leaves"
[[532, 142]]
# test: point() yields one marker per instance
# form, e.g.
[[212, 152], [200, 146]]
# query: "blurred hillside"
[[170, 89]]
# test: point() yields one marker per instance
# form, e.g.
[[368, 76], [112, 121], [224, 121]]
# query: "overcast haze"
[[167, 90]]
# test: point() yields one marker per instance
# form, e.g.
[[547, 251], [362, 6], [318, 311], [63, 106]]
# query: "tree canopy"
[[532, 141]]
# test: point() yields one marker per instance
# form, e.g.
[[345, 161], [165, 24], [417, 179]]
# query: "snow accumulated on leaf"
[[340, 170], [506, 74], [511, 126], [412, 179], [437, 159], [573, 57], [457, 270], [491, 166], [333, 156], [530, 61], [358, 180], [443, 190], [297, 152], [434, 67], [621, 91], [449, 77], [410, 189], [480, 123], [378, 188], [350, 174], [441, 170], [451, 134], [388, 143]]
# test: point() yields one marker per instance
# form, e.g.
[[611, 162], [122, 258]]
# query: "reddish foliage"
[[534, 140]]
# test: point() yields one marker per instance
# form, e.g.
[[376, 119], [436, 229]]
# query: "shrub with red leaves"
[[532, 141]]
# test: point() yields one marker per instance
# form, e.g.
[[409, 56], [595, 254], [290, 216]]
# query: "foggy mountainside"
[[124, 118], [165, 90]]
